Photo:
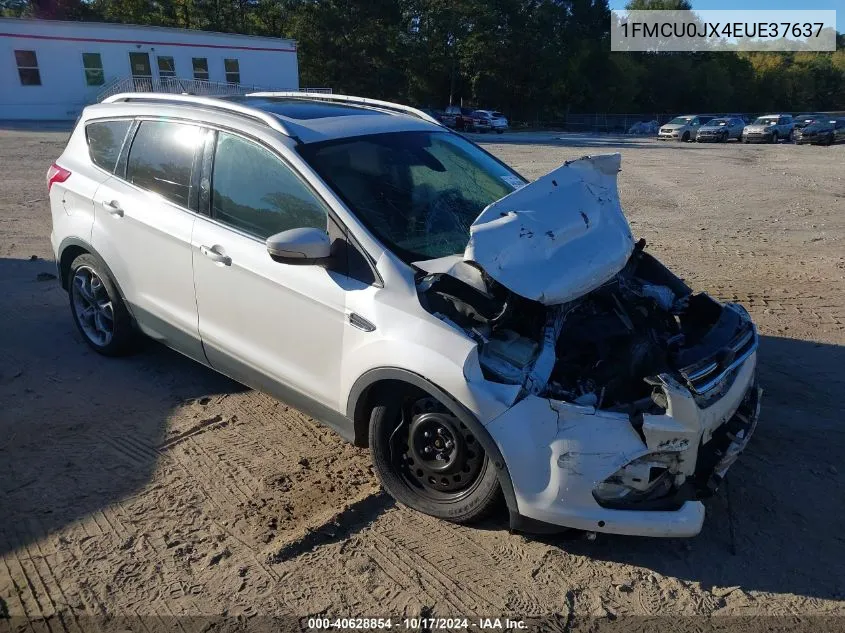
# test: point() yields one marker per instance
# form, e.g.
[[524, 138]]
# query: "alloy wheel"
[[92, 306]]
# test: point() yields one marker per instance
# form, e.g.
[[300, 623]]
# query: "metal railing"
[[178, 85]]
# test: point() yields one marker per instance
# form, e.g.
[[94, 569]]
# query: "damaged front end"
[[629, 391]]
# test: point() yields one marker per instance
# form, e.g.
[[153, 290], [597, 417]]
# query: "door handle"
[[214, 254], [113, 207]]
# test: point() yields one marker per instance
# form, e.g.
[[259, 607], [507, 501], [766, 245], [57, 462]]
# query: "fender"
[[356, 402]]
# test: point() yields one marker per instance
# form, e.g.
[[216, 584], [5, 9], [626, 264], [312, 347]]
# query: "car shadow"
[[783, 497], [77, 434]]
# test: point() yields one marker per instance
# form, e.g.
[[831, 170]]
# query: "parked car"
[[825, 132], [434, 114], [458, 118], [489, 121], [682, 128], [372, 268], [720, 130], [769, 129], [803, 120]]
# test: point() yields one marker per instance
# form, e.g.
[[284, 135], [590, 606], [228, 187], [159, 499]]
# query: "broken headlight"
[[645, 483]]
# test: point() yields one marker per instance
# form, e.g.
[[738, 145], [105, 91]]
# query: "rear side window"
[[162, 157], [255, 192], [105, 138]]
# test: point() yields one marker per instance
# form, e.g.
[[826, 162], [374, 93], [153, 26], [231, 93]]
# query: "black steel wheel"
[[429, 460]]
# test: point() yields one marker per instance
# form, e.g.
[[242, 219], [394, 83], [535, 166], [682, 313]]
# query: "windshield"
[[681, 120], [765, 120], [418, 192]]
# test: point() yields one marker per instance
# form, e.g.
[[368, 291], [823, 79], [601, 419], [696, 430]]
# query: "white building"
[[51, 69]]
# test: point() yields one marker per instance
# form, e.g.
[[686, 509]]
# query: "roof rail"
[[373, 103], [209, 102]]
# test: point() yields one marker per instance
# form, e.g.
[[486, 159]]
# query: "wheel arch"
[[73, 247], [368, 387]]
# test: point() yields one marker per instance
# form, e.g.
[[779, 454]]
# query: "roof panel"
[[301, 109]]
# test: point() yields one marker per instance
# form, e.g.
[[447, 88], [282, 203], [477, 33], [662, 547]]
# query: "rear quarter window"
[[105, 140]]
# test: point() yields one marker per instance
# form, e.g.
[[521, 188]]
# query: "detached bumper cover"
[[557, 453]]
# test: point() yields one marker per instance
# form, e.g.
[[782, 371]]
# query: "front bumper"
[[674, 135], [757, 137], [557, 453]]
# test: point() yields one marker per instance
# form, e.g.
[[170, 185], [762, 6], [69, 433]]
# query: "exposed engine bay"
[[602, 349]]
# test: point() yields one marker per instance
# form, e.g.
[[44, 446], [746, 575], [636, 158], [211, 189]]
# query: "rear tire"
[[428, 460], [97, 308]]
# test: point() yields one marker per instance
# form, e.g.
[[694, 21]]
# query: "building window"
[[200, 68], [166, 67], [233, 71], [28, 68], [93, 64]]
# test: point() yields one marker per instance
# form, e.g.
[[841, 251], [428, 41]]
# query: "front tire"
[[428, 460], [97, 308], [685, 137], [774, 140]]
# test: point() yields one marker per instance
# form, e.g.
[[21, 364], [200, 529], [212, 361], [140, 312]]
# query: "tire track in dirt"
[[438, 564]]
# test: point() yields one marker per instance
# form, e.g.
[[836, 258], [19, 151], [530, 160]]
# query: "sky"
[[782, 5]]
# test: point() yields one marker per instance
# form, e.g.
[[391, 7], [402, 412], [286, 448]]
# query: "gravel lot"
[[153, 486]]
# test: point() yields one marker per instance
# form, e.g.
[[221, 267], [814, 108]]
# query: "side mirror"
[[300, 246]]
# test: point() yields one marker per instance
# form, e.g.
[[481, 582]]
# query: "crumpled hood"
[[673, 126], [712, 128], [758, 128], [558, 237]]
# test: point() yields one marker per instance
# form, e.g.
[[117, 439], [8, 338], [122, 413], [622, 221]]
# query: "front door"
[[264, 322], [142, 71]]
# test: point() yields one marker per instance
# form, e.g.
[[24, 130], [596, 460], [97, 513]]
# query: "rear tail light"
[[56, 174]]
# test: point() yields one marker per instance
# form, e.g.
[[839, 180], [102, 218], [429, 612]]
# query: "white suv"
[[485, 337]]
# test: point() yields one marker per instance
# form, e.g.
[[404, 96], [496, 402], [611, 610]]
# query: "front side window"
[[93, 65], [28, 72], [252, 190], [166, 67], [419, 192], [105, 138], [162, 157], [233, 71], [200, 65]]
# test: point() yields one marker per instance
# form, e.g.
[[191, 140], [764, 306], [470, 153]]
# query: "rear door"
[[268, 324], [143, 222]]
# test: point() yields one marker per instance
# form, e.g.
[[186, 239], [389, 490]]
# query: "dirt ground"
[[152, 486]]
